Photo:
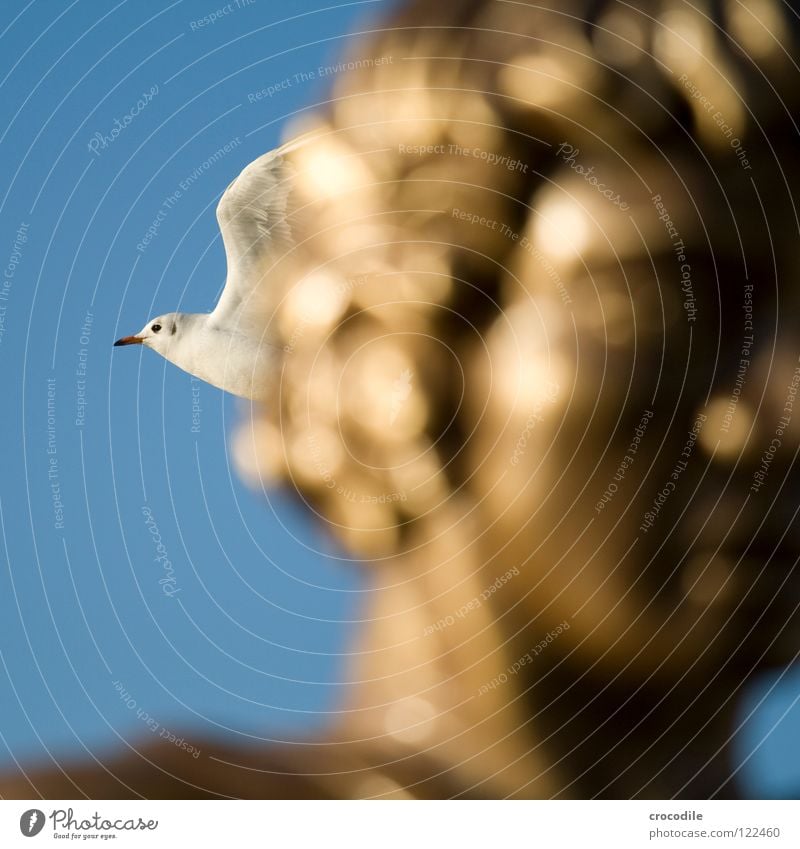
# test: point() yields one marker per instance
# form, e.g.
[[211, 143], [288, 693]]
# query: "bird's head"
[[159, 333]]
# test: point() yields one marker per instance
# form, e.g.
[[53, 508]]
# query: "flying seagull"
[[228, 347]]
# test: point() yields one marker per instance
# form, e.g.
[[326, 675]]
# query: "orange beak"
[[129, 340]]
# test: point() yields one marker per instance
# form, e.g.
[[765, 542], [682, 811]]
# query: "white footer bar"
[[388, 824]]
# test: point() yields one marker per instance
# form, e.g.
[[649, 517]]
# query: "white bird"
[[228, 347]]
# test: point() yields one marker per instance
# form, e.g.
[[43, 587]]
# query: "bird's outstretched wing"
[[255, 218]]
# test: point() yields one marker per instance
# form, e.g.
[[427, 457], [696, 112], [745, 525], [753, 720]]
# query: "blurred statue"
[[540, 364]]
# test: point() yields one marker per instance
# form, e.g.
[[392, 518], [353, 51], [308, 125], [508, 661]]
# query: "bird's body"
[[230, 347], [239, 363]]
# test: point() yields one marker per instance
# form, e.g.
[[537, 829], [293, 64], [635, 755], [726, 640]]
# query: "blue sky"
[[113, 113], [112, 109]]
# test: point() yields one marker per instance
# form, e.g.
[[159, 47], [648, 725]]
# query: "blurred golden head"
[[544, 326]]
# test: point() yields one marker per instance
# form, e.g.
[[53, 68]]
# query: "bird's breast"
[[239, 364]]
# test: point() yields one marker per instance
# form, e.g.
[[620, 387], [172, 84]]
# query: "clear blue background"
[[254, 643]]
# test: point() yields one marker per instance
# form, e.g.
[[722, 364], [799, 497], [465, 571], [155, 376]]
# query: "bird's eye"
[[155, 328]]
